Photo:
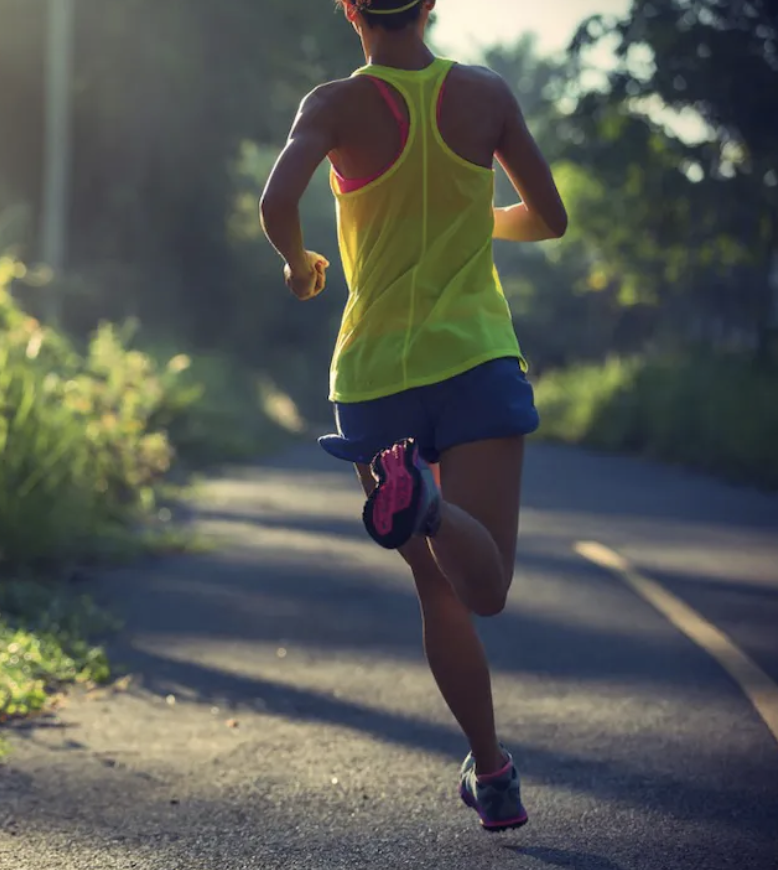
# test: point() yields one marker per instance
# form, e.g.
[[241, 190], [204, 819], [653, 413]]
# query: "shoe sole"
[[486, 824], [391, 511]]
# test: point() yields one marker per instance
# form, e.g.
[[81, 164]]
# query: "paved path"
[[306, 731]]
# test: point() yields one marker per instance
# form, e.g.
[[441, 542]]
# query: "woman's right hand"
[[308, 283]]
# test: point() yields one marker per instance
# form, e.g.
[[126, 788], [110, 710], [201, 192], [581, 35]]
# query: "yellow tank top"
[[425, 300]]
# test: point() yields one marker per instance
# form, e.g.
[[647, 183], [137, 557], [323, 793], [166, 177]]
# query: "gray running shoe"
[[496, 798]]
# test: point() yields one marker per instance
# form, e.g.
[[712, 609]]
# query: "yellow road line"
[[755, 683]]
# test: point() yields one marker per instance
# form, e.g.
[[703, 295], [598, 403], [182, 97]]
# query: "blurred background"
[[143, 314]]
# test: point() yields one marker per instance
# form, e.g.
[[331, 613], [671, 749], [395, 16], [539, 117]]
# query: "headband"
[[370, 11]]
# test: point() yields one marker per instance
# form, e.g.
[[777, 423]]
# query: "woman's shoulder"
[[477, 76], [336, 96], [340, 89], [474, 85]]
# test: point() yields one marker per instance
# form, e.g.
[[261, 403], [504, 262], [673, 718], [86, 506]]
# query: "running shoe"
[[496, 798], [406, 501]]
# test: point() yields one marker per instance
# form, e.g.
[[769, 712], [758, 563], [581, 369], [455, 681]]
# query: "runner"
[[428, 380]]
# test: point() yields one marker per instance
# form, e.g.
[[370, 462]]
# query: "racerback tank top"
[[425, 300]]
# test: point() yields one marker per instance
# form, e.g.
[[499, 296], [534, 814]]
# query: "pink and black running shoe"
[[406, 501]]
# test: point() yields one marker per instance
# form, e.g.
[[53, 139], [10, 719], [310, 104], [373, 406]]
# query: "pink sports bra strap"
[[386, 93], [440, 97], [351, 185]]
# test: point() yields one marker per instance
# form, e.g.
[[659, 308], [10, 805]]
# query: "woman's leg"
[[454, 651], [476, 545]]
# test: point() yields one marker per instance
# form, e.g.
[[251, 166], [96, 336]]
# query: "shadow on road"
[[302, 601], [610, 780], [564, 858], [570, 479]]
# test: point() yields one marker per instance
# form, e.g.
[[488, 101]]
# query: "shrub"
[[86, 439], [79, 448], [712, 412]]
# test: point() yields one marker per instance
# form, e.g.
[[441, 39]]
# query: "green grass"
[[718, 414], [46, 643]]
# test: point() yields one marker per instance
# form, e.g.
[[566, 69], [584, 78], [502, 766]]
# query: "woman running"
[[428, 380]]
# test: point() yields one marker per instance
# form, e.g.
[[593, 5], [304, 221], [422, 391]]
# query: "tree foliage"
[[716, 60], [164, 97], [180, 108]]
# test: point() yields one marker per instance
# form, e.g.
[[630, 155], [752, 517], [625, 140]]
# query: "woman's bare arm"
[[310, 141], [541, 215]]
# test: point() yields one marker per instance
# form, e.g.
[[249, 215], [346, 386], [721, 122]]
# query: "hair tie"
[[405, 8]]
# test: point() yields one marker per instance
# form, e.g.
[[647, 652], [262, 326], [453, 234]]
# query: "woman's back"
[[471, 120]]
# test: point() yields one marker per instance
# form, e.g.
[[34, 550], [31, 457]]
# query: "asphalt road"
[[283, 717]]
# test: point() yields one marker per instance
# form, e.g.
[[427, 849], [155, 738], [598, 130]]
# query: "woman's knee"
[[436, 592], [493, 597], [491, 605]]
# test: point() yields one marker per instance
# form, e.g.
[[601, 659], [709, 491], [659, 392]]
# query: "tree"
[[165, 95], [718, 58]]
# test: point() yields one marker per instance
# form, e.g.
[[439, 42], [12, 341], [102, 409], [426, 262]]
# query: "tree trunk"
[[767, 303]]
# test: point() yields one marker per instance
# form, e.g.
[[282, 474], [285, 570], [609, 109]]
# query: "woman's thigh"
[[484, 479]]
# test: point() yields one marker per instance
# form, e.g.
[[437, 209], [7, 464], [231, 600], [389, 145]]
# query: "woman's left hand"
[[308, 283]]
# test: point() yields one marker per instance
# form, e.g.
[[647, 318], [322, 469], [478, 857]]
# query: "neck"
[[403, 50]]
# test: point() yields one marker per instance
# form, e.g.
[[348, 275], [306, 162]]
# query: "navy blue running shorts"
[[494, 400]]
